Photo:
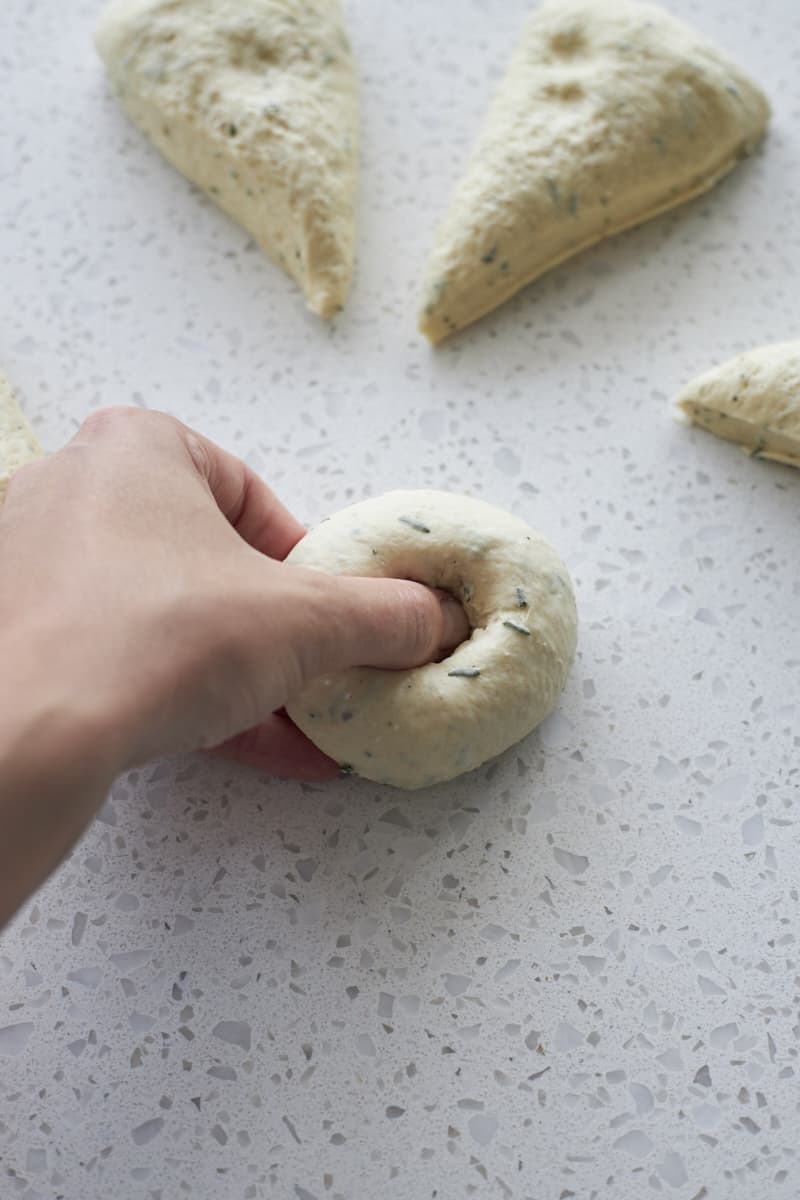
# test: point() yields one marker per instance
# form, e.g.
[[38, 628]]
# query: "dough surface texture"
[[18, 444], [610, 112], [256, 102], [753, 399], [422, 726]]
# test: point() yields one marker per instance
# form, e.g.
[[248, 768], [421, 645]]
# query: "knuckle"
[[125, 419], [198, 452], [107, 416]]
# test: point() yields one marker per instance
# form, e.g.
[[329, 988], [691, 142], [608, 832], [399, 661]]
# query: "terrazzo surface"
[[573, 973]]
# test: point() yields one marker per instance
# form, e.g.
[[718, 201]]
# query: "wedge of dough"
[[256, 102], [753, 399], [609, 113], [18, 444]]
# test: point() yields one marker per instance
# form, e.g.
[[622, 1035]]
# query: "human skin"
[[145, 610]]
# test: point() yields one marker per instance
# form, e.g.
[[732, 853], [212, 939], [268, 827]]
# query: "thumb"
[[391, 623]]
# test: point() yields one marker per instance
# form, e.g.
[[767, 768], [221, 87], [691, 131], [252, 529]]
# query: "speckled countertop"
[[572, 974]]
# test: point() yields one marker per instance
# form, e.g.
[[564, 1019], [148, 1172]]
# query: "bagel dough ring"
[[421, 726]]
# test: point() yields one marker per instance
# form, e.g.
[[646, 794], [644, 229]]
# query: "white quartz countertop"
[[573, 973]]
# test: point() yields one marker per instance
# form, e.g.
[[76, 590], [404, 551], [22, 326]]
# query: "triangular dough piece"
[[256, 102], [609, 113], [753, 399], [17, 442]]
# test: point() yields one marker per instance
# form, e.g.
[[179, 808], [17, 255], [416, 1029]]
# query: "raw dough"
[[17, 443], [418, 727], [609, 113], [753, 399], [255, 101]]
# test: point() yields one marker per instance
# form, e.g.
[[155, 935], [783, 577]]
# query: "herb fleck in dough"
[[419, 727], [256, 102], [611, 111], [753, 399], [18, 444]]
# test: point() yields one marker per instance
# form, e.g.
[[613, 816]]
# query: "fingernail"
[[455, 626]]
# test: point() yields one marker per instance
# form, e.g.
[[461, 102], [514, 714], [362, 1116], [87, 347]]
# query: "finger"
[[455, 626], [278, 746], [253, 510], [243, 499], [398, 624], [344, 621]]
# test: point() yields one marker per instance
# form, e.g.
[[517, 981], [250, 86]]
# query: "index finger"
[[253, 509]]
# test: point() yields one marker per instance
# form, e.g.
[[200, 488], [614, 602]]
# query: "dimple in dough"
[[256, 102], [611, 111], [18, 443], [422, 726], [752, 399]]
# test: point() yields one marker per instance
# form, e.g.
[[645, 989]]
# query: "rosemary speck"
[[413, 523]]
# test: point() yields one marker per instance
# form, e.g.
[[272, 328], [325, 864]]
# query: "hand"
[[145, 610]]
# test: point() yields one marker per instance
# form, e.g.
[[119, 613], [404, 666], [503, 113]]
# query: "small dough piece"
[[609, 114], [422, 726], [256, 102], [17, 442], [753, 399]]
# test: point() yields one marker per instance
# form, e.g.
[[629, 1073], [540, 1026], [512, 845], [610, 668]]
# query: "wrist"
[[55, 769], [53, 717]]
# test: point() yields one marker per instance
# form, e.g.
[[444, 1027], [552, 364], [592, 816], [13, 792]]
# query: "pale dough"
[[418, 727], [609, 113], [18, 444], [256, 102], [753, 399]]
